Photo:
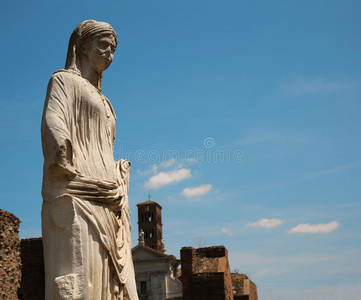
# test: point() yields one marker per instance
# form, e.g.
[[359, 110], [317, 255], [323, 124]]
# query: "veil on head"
[[84, 32]]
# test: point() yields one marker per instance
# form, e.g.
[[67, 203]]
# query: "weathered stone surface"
[[10, 273], [32, 270], [243, 287], [206, 273], [85, 213]]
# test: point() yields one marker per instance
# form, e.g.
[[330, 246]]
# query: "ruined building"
[[10, 274], [32, 270], [243, 287], [206, 275], [205, 272]]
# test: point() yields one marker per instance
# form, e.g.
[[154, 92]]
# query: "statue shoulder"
[[65, 77], [66, 73]]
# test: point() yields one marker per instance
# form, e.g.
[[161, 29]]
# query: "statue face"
[[100, 52]]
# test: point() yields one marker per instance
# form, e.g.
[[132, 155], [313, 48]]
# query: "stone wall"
[[205, 271], [243, 287], [10, 274], [33, 278], [206, 274], [252, 291]]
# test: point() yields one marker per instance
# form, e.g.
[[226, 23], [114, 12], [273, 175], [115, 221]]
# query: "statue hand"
[[62, 172]]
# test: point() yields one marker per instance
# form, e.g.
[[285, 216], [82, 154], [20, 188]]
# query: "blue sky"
[[241, 119]]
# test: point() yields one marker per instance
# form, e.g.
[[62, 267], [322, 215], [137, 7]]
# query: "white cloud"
[[273, 271], [165, 178], [227, 231], [340, 291], [263, 263], [189, 160], [310, 176], [266, 223], [316, 228], [152, 170], [316, 86], [196, 191], [279, 275], [168, 163], [332, 171]]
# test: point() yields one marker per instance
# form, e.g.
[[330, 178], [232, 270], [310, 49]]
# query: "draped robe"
[[85, 213]]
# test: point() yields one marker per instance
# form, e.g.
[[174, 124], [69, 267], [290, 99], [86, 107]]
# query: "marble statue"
[[85, 212]]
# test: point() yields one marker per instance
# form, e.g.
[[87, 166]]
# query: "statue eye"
[[103, 44]]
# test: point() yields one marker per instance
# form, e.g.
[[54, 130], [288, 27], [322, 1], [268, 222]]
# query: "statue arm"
[[55, 129], [124, 169], [58, 149]]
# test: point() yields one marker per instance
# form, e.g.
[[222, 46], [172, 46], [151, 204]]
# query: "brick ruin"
[[205, 271], [206, 275], [21, 262], [10, 274], [33, 275], [243, 287]]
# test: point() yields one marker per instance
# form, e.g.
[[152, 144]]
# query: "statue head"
[[80, 46]]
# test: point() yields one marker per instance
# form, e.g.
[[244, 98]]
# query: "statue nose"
[[108, 49]]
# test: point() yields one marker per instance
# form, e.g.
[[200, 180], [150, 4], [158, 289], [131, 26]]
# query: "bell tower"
[[150, 222]]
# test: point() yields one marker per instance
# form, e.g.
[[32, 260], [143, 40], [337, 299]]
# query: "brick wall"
[[252, 291], [10, 274], [33, 277], [188, 255], [243, 287], [205, 271], [206, 274], [150, 221]]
